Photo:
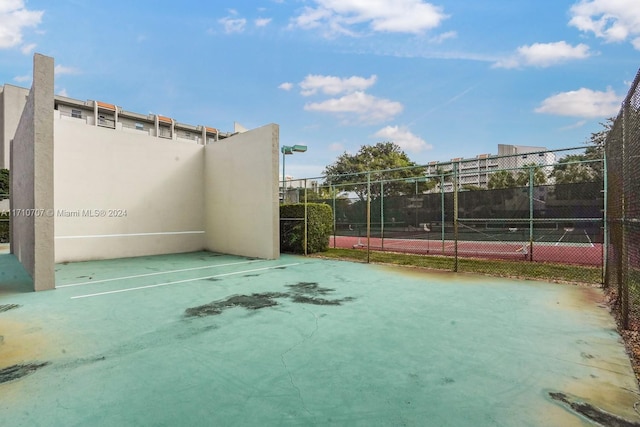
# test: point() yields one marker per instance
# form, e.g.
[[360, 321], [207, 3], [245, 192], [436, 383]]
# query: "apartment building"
[[516, 156], [101, 114], [477, 170]]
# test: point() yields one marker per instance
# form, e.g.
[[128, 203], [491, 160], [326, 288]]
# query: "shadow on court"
[[13, 277], [209, 339]]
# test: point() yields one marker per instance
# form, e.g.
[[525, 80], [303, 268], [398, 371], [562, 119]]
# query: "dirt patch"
[[307, 293], [301, 293], [591, 412], [18, 371], [309, 288], [316, 301], [7, 307], [80, 362], [250, 302], [631, 334]]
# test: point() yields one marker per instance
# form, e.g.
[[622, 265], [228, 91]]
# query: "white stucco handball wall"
[[121, 194], [90, 192], [242, 194], [12, 102]]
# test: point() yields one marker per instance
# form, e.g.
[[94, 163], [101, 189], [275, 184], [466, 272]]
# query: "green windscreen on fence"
[[531, 208]]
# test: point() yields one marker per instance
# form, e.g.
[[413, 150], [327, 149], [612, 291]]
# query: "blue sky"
[[442, 79]]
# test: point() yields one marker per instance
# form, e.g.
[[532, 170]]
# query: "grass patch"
[[520, 269]]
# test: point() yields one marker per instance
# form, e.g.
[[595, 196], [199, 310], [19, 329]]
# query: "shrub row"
[[4, 227], [319, 227]]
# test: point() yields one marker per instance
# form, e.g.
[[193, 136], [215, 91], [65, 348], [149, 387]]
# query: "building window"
[[76, 114], [164, 132], [139, 126], [106, 121]]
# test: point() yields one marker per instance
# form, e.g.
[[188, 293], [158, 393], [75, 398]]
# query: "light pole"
[[289, 149]]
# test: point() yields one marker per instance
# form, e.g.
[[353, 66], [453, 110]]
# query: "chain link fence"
[[533, 208], [622, 278]]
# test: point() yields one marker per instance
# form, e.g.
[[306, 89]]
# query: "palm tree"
[[539, 176], [501, 179]]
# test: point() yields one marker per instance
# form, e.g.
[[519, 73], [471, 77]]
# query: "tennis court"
[[563, 245], [209, 339]]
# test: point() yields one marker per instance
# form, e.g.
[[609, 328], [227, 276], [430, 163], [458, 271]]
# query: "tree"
[[598, 139], [572, 169], [501, 179], [586, 167], [4, 183], [539, 177], [471, 187], [384, 161], [320, 194]]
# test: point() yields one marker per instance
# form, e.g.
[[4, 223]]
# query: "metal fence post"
[[623, 274], [455, 216], [531, 176], [605, 219], [332, 189], [368, 217], [442, 209], [306, 228], [382, 214]]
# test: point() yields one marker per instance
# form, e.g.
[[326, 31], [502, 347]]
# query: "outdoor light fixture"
[[289, 149]]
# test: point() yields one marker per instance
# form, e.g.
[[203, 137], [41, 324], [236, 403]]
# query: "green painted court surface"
[[212, 340]]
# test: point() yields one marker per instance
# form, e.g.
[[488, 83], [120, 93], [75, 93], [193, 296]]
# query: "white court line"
[[588, 238], [561, 237], [100, 236], [183, 281], [91, 282]]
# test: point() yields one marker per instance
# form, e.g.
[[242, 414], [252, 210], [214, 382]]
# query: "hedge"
[[4, 227], [319, 227]]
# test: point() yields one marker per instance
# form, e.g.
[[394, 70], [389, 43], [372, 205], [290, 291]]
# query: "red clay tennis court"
[[567, 253]]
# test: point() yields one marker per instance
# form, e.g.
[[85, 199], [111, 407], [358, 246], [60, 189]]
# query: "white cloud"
[[444, 36], [366, 107], [585, 103], [28, 48], [576, 125], [612, 20], [61, 69], [63, 92], [262, 22], [336, 146], [311, 18], [332, 85], [394, 16], [403, 138], [286, 86], [232, 25], [22, 79], [544, 55], [14, 18]]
